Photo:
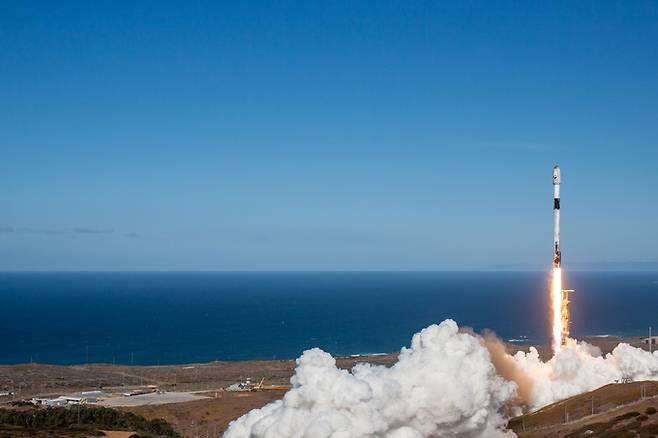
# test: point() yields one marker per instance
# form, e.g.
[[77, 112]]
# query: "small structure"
[[81, 398], [652, 340], [141, 391], [241, 386], [52, 402]]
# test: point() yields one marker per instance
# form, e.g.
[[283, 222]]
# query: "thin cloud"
[[75, 231], [83, 230]]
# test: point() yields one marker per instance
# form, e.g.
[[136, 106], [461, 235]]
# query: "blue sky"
[[327, 135]]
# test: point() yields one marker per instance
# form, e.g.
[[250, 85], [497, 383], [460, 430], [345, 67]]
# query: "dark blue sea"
[[166, 318]]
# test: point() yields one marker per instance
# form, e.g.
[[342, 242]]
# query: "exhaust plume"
[[449, 383], [579, 367], [509, 369], [444, 385]]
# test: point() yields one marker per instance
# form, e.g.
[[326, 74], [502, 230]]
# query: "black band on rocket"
[[556, 203]]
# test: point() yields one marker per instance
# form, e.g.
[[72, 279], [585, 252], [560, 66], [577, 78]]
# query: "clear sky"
[[333, 135]]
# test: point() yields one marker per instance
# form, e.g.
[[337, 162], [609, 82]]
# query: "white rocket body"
[[557, 254]]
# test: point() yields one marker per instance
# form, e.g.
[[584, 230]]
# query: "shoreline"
[[515, 344]]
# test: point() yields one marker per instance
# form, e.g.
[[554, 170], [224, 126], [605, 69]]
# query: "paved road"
[[151, 399]]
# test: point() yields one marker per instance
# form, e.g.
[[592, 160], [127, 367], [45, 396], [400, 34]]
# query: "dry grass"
[[617, 409]]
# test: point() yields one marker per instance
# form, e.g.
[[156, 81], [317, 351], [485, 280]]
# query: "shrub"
[[627, 415], [650, 429], [82, 418]]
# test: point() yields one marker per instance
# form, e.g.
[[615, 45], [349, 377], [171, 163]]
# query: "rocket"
[[557, 254]]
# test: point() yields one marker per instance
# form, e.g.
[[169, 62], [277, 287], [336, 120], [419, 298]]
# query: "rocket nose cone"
[[556, 175]]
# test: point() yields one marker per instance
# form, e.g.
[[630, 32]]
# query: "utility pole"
[[566, 414], [650, 339]]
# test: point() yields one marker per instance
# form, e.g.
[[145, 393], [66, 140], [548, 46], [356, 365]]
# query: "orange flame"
[[560, 311], [556, 309]]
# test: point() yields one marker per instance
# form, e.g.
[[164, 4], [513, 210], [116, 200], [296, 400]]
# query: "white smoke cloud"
[[447, 384], [580, 367], [444, 385]]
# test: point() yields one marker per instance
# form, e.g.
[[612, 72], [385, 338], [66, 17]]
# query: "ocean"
[[168, 318]]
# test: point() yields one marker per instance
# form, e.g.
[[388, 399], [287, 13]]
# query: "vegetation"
[[619, 427], [627, 416], [650, 410], [20, 403], [78, 421]]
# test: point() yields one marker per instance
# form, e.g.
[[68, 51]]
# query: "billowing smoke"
[[447, 384], [509, 369], [444, 385], [580, 367]]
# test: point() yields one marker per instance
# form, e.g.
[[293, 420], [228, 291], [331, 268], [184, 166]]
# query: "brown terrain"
[[35, 379], [615, 410], [211, 416], [206, 417]]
